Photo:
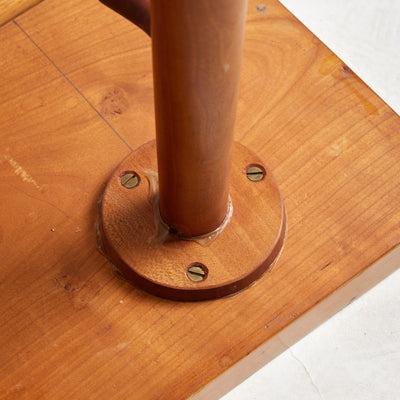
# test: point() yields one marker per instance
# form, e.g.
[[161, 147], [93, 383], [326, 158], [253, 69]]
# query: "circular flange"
[[243, 251]]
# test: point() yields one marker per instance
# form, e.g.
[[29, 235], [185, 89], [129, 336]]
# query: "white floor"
[[356, 354]]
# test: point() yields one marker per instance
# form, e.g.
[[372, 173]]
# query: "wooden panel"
[[70, 327], [56, 154], [9, 9], [105, 56]]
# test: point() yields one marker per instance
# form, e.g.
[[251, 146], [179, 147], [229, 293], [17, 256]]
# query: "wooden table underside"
[[76, 97]]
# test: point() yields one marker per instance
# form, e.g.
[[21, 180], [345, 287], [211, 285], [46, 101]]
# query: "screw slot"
[[197, 272], [130, 180], [255, 173]]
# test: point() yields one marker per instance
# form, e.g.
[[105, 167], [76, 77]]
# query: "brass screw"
[[255, 173], [130, 180], [197, 272]]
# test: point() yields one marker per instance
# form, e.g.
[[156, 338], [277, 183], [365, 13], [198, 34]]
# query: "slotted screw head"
[[129, 180], [255, 173], [196, 273]]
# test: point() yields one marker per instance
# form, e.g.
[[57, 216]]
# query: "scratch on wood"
[[326, 266], [272, 321], [19, 171], [352, 300]]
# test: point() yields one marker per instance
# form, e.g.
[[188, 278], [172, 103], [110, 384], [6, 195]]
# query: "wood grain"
[[156, 261], [72, 329], [116, 79], [10, 9], [197, 56]]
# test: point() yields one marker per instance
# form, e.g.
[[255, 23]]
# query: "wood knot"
[[114, 102], [65, 283]]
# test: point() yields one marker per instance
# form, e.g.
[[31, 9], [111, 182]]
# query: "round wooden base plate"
[[244, 250]]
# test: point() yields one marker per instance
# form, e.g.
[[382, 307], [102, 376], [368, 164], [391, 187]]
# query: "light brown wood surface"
[[10, 9], [76, 97]]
